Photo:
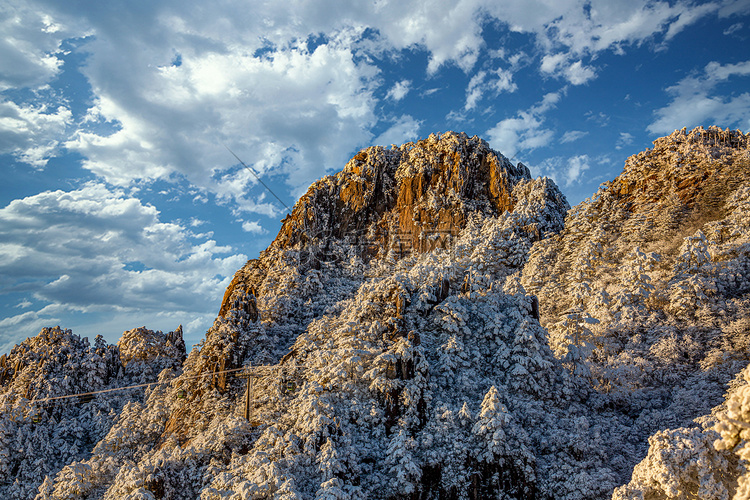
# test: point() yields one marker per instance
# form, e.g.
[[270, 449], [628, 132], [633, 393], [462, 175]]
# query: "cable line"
[[258, 177], [92, 393]]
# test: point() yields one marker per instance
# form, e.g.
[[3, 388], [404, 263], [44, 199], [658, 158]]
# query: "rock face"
[[685, 172], [385, 281], [406, 193], [413, 198], [647, 289]]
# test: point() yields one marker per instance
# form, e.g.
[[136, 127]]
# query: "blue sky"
[[121, 207]]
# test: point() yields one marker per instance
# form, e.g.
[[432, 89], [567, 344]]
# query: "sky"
[[121, 205]]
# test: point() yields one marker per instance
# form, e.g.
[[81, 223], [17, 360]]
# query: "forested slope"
[[431, 322]]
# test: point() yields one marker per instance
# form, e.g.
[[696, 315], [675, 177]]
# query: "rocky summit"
[[392, 202], [431, 323]]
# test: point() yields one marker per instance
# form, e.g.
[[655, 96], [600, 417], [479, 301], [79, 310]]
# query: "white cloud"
[[475, 90], [551, 63], [625, 139], [559, 65], [525, 131], [253, 227], [399, 90], [483, 82], [300, 107], [607, 25], [690, 16], [573, 135], [696, 102], [450, 31], [504, 81], [578, 74], [564, 171], [576, 166], [403, 130], [32, 133], [94, 250], [733, 29], [30, 53], [303, 108]]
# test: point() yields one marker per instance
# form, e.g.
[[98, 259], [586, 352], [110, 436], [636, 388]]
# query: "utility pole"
[[248, 395]]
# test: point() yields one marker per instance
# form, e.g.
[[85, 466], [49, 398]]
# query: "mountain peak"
[[393, 202], [680, 165], [412, 191], [386, 345]]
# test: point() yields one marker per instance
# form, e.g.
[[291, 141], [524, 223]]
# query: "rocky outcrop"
[[662, 196], [405, 194], [684, 170], [412, 198], [147, 346]]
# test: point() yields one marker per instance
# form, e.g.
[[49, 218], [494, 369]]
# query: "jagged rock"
[[424, 187], [413, 198], [147, 346], [684, 170], [662, 196], [646, 290]]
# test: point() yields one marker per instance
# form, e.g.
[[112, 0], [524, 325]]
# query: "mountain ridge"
[[406, 356]]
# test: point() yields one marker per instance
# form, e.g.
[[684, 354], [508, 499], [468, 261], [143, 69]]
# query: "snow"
[[390, 376]]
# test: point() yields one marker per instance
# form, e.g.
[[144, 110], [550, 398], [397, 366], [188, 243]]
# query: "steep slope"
[[689, 181], [392, 202], [39, 436], [648, 289]]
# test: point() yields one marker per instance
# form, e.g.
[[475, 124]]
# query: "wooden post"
[[248, 390]]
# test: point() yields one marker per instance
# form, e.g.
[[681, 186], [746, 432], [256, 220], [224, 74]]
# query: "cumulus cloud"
[[298, 109], [578, 74], [93, 249], [171, 85], [559, 65], [610, 25], [525, 131], [32, 133], [253, 227], [404, 129], [399, 90], [695, 101], [30, 48]]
